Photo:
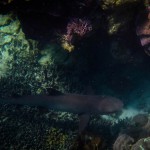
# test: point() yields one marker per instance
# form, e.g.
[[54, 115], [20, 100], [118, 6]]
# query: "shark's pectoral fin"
[[83, 121]]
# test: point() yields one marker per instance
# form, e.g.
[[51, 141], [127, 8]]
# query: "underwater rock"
[[146, 127], [142, 144], [88, 141], [17, 58], [120, 52], [123, 142], [109, 4], [140, 120], [5, 2], [143, 29], [12, 42], [123, 52], [121, 14], [135, 134]]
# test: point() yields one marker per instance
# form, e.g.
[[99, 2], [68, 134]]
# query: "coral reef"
[[13, 43], [24, 127], [136, 136], [18, 60], [110, 4], [143, 144], [29, 69], [123, 142], [17, 55], [118, 24], [87, 141], [56, 139], [140, 120], [109, 60], [76, 26], [67, 46], [52, 55], [143, 30]]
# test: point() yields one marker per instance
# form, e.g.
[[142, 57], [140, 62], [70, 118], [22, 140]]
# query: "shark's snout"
[[117, 105], [110, 105]]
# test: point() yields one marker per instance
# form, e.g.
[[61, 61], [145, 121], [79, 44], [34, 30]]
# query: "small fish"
[[84, 105]]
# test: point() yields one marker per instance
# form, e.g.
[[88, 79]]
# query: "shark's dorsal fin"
[[83, 121], [54, 92]]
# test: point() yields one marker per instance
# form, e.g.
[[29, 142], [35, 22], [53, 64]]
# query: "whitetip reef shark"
[[84, 105]]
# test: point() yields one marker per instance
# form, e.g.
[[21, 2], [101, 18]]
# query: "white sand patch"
[[127, 113]]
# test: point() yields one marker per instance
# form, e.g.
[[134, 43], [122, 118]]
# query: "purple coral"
[[77, 26]]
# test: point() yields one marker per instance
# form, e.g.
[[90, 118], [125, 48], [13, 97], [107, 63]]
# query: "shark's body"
[[74, 103]]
